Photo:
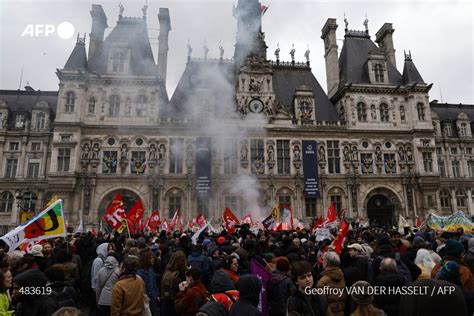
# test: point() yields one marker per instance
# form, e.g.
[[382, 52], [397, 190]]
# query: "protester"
[[362, 301], [280, 287], [333, 277], [230, 266], [192, 294], [6, 308], [389, 277], [173, 276], [62, 294], [147, 273], [108, 276], [249, 287]]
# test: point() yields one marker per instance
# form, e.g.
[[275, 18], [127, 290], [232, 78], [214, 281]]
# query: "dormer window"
[[91, 107], [378, 72], [448, 131], [70, 100], [462, 129], [142, 105], [420, 108], [114, 108], [118, 62], [40, 120], [19, 120]]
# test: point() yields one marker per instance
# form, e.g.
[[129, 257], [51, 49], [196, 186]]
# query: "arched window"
[[445, 198], [378, 70], [402, 113], [142, 104], [460, 198], [91, 109], [361, 112], [384, 115], [6, 203], [70, 100], [420, 108], [114, 108]]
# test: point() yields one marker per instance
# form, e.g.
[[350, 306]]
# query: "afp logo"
[[65, 30]]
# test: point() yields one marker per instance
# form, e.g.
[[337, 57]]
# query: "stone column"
[[470, 206]]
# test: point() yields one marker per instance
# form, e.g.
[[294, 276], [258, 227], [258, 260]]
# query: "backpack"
[[63, 298], [402, 268], [168, 285]]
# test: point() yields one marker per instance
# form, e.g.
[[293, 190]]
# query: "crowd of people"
[[167, 274]]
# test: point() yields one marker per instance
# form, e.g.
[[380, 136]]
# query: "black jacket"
[[298, 305], [249, 287], [279, 289], [390, 303]]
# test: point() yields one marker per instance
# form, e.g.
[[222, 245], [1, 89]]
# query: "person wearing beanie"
[[453, 252], [279, 287], [223, 293], [249, 287], [362, 301], [32, 304], [469, 256]]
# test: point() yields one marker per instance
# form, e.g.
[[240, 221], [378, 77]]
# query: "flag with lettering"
[[135, 215], [247, 219], [154, 220], [230, 220], [115, 212], [257, 269], [201, 220], [50, 223], [269, 222]]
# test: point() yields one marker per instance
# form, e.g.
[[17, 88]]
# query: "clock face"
[[256, 106]]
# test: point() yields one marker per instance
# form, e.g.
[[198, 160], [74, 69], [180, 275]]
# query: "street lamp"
[[351, 157], [405, 155], [26, 200]]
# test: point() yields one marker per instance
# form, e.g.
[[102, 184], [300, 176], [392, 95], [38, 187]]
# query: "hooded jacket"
[[107, 277], [188, 302], [213, 309], [334, 278], [249, 287], [32, 304], [389, 302], [223, 290], [469, 256], [98, 263], [279, 289]]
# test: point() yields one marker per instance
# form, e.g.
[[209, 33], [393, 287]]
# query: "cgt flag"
[[230, 220], [115, 212], [49, 223]]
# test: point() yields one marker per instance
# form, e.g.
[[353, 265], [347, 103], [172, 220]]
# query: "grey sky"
[[439, 34]]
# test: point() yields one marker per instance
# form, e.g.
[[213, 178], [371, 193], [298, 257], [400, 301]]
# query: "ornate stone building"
[[383, 148]]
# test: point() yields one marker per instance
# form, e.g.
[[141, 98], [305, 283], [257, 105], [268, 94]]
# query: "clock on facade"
[[256, 106]]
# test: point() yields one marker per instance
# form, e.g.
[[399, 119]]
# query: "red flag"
[[339, 241], [331, 215], [247, 219], [201, 220], [115, 212], [340, 215], [174, 220], [94, 232], [317, 223], [164, 226], [229, 220], [279, 227], [153, 221], [135, 213], [181, 223], [418, 222]]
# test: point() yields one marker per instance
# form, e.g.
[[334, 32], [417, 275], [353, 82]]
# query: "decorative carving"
[[95, 151], [378, 154], [152, 154], [367, 164], [259, 166], [189, 154], [355, 153], [277, 53], [322, 154], [85, 151], [162, 152], [255, 85], [271, 153], [292, 53], [347, 154], [373, 112], [124, 152], [244, 154]]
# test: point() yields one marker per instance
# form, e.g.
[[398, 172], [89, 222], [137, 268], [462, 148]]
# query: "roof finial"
[[145, 7], [407, 56], [292, 54], [346, 23], [206, 49], [221, 51], [366, 24], [306, 54], [277, 53], [121, 9], [190, 50]]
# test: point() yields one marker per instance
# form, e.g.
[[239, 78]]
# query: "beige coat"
[[127, 296], [334, 278]]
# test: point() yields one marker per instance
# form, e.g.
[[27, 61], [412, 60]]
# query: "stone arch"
[[171, 195], [384, 199], [129, 197]]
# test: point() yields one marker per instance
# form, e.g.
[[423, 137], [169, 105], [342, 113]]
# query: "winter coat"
[[300, 304], [151, 287], [33, 305], [249, 287], [188, 302], [469, 260], [389, 302], [441, 303], [127, 296], [279, 289], [198, 260], [334, 278], [213, 309], [361, 263], [108, 276], [98, 263], [467, 280], [59, 287], [232, 275], [5, 304]]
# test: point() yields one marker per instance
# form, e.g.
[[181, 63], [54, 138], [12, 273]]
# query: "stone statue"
[[345, 21], [221, 51], [85, 151], [378, 154], [124, 152], [189, 153], [322, 153], [190, 49], [145, 7], [306, 55], [161, 152], [271, 153], [277, 52], [95, 151], [206, 50], [296, 153], [152, 154], [255, 85], [373, 113], [366, 24], [401, 155], [292, 53], [121, 9], [409, 154], [346, 153], [355, 154], [244, 153]]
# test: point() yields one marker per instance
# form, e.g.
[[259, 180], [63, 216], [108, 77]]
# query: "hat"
[[418, 241], [282, 264], [206, 242], [37, 251], [453, 248], [362, 297], [303, 240], [356, 246], [220, 240]]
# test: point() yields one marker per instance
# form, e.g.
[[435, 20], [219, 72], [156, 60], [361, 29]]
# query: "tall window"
[[230, 156], [310, 204], [70, 100], [283, 156], [456, 169], [334, 158], [390, 163], [109, 162], [361, 112], [448, 130], [427, 162], [118, 62], [10, 171], [257, 158], [114, 107], [40, 120], [378, 70], [384, 114], [420, 108], [442, 168], [231, 203], [471, 168], [14, 146], [460, 198], [203, 205], [402, 113], [91, 107], [19, 120], [174, 204], [176, 155], [35, 146], [463, 129], [337, 200], [142, 105], [33, 170], [445, 199], [64, 155], [6, 204], [284, 202]]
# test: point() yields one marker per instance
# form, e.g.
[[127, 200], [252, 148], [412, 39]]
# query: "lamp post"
[[26, 201], [351, 158], [405, 155]]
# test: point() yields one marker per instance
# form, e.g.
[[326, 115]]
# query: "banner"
[[258, 270], [230, 220], [115, 212], [49, 223], [448, 223], [310, 169], [203, 167], [322, 233], [269, 222]]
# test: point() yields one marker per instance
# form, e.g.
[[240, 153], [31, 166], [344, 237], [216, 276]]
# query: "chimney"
[[385, 41], [99, 24], [165, 28], [328, 34]]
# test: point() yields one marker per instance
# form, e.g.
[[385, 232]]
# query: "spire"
[[121, 9], [78, 57], [407, 56], [292, 54], [277, 54], [190, 50], [410, 72]]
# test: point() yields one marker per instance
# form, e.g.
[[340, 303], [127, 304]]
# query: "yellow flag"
[[276, 212], [124, 225]]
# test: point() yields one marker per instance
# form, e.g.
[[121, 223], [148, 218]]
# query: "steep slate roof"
[[450, 112], [287, 79], [410, 73], [354, 57], [78, 57], [131, 33]]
